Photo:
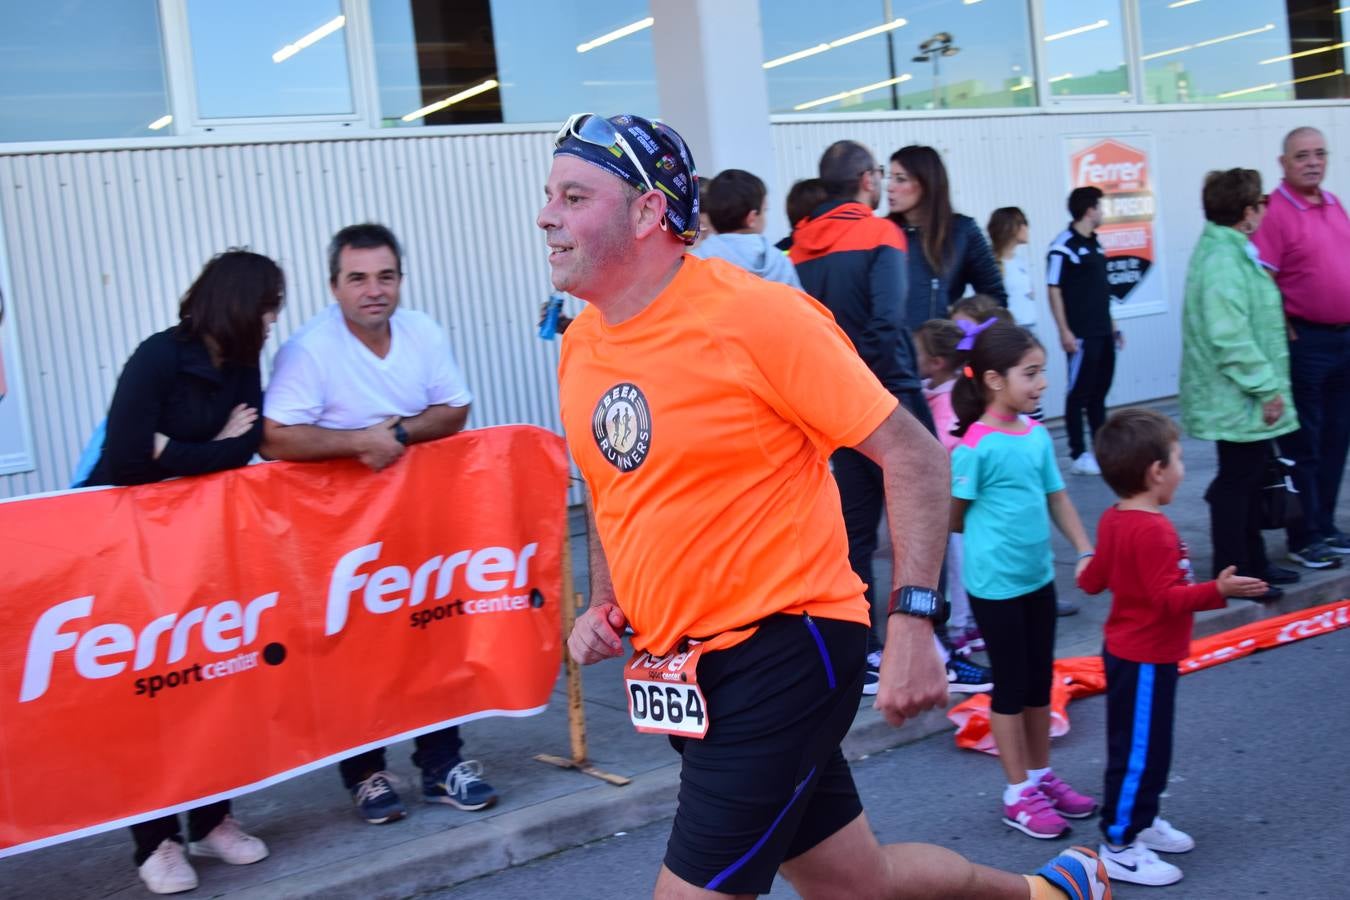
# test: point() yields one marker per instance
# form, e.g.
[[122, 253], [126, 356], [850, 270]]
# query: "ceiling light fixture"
[[1328, 48], [853, 93], [1218, 40], [1081, 29], [1275, 84], [1180, 3], [625, 31], [451, 100], [838, 42], [1065, 77], [159, 123], [313, 37]]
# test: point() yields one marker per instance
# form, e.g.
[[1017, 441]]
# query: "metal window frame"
[[180, 78]]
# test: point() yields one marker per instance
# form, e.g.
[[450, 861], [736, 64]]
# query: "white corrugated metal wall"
[[101, 244], [1020, 161]]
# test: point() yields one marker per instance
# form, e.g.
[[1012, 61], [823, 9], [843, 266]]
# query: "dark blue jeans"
[[1319, 369], [433, 751]]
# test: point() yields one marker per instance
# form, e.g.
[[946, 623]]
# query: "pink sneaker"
[[1066, 801], [1033, 814]]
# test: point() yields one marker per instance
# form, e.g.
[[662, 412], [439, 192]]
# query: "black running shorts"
[[768, 782]]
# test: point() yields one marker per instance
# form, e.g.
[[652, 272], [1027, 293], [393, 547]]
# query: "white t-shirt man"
[[325, 376]]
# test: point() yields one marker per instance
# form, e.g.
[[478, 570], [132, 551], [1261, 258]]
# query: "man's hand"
[[1232, 584], [379, 448], [1080, 566], [596, 634], [1068, 340], [912, 677], [238, 424], [1271, 410]]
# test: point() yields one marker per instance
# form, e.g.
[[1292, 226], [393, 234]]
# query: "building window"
[[262, 59], [896, 55], [81, 69], [518, 61], [1083, 49], [1214, 51]]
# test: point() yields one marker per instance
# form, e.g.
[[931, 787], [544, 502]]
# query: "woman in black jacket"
[[187, 404], [947, 251]]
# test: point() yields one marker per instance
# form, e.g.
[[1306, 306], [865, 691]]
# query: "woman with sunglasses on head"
[[947, 251], [1235, 370], [187, 404]]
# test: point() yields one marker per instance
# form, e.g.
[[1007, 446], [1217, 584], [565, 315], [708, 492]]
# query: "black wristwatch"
[[401, 434], [921, 602]]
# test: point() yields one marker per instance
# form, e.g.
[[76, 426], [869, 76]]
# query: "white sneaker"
[[167, 871], [228, 842], [1138, 865], [1085, 464], [872, 676], [1162, 837]]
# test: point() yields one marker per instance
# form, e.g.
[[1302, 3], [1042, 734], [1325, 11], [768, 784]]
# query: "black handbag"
[[1279, 497]]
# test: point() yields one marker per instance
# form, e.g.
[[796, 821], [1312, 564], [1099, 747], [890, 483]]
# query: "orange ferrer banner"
[[1083, 676], [233, 630]]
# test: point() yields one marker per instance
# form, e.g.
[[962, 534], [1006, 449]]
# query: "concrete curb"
[[510, 839]]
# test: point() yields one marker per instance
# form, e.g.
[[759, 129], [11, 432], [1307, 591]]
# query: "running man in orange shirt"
[[702, 404]]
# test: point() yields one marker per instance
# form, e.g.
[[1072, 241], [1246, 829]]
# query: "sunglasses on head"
[[600, 132]]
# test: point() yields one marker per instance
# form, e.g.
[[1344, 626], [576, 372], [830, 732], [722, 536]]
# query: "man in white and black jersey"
[[1080, 299]]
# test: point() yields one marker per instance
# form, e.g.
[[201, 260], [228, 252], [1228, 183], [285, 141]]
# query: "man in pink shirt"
[[1303, 240]]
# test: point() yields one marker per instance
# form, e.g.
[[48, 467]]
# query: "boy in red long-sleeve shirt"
[[1154, 597]]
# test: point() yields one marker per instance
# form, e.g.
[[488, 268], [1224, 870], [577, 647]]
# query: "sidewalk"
[[320, 849]]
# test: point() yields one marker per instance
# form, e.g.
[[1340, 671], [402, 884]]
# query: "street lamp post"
[[932, 50]]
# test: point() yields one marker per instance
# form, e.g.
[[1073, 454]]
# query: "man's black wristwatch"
[[401, 434], [920, 602]]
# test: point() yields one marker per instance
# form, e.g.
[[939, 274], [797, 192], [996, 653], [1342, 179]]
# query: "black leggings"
[[1019, 634]]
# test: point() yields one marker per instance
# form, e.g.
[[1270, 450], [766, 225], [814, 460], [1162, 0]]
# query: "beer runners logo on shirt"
[[622, 426]]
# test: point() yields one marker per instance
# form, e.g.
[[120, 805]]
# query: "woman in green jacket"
[[1235, 370]]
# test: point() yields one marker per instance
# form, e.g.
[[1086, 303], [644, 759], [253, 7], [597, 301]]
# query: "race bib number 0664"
[[663, 693]]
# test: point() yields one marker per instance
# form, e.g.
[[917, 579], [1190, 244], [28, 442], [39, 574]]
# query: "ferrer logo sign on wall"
[[1122, 168]]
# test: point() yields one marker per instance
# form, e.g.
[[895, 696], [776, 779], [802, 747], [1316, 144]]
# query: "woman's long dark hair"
[[933, 215], [998, 348], [226, 303]]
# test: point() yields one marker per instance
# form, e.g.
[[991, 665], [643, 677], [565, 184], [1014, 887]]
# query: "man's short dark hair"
[[1227, 195], [733, 195], [1083, 199], [1129, 443], [842, 167], [365, 236]]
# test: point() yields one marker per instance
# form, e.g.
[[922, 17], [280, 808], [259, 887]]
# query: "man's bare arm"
[[436, 422], [917, 478], [598, 632], [376, 447], [311, 442]]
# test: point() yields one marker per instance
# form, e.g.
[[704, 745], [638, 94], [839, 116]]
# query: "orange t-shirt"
[[703, 426]]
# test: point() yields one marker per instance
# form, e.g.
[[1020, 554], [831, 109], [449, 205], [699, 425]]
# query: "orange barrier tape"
[[1083, 676], [172, 644]]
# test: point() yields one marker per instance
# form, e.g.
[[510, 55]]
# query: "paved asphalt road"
[[1259, 780]]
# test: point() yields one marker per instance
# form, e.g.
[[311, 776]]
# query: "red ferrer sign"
[[1122, 172]]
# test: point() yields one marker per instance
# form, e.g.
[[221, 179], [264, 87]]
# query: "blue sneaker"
[[459, 784], [968, 678], [376, 800], [1079, 874]]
